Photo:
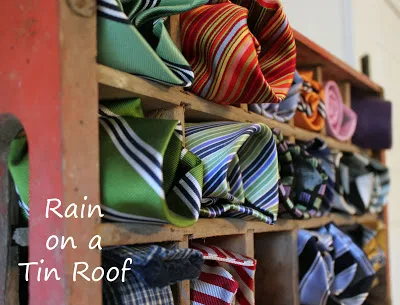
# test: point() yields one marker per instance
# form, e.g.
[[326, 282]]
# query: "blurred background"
[[351, 29]]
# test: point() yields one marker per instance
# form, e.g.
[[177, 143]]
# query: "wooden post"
[[48, 82], [277, 268], [181, 290], [175, 30], [345, 89]]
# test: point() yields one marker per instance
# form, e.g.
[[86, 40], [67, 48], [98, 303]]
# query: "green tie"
[[240, 169], [132, 37], [145, 174]]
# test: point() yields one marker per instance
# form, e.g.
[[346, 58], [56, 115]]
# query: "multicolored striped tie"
[[240, 52], [341, 120], [145, 177], [311, 112], [284, 111], [226, 278], [152, 270], [240, 169], [132, 37]]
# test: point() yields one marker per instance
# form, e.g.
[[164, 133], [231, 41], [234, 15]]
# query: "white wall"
[[350, 29], [376, 32]]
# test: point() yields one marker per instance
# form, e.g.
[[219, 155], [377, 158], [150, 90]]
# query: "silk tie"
[[240, 52], [341, 120], [374, 124], [311, 112], [302, 181], [365, 182], [226, 278], [132, 37], [144, 177], [316, 267], [153, 270], [332, 268], [354, 274], [284, 111], [240, 169]]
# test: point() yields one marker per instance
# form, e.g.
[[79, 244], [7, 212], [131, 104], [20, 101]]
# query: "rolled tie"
[[240, 52], [145, 175], [341, 120], [226, 278], [152, 270], [240, 169], [310, 113], [284, 111], [132, 37], [374, 124], [302, 183]]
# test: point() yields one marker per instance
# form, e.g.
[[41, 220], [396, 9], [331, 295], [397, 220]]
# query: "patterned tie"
[[145, 177], [316, 267], [310, 113], [333, 269], [226, 278], [241, 52], [378, 135], [302, 181], [365, 182], [132, 37], [153, 270], [341, 120], [284, 111], [240, 169]]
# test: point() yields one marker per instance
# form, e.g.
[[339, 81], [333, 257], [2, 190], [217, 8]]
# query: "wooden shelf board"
[[116, 84], [310, 54], [114, 234]]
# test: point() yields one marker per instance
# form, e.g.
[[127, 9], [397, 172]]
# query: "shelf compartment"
[[116, 84]]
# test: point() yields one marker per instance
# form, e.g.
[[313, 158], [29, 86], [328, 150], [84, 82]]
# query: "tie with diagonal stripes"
[[284, 111], [240, 52], [132, 37], [240, 169], [144, 177], [226, 278]]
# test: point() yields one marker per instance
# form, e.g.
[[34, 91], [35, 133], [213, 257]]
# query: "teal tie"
[[240, 169], [145, 176]]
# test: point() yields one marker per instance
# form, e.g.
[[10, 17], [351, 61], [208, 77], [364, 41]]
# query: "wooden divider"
[[277, 268], [181, 291]]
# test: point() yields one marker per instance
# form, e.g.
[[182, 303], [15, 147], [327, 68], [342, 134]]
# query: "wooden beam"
[[181, 290]]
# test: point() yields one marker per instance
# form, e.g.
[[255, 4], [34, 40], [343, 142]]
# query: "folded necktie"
[[302, 181], [241, 52], [310, 113], [365, 182], [354, 274], [153, 269], [240, 169], [226, 278], [374, 123], [341, 120], [132, 37], [316, 267], [284, 111], [145, 175]]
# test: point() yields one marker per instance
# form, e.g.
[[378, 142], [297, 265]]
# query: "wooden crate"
[[51, 85]]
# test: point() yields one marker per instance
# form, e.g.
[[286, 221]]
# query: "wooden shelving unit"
[[59, 113]]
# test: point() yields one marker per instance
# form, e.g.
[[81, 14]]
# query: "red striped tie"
[[226, 278]]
